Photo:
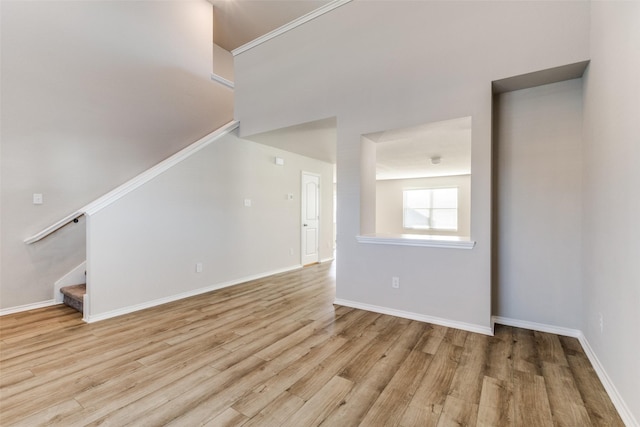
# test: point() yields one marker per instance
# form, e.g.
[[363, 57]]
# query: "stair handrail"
[[73, 217], [135, 182]]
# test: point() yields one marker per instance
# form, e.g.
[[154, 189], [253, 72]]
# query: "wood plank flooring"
[[277, 352]]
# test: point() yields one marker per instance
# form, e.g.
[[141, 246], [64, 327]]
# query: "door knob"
[[304, 225]]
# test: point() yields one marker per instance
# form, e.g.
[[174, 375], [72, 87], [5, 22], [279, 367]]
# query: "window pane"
[[445, 198], [445, 219], [417, 198], [416, 218], [432, 208]]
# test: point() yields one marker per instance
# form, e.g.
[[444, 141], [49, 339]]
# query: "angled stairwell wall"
[[189, 230], [93, 93]]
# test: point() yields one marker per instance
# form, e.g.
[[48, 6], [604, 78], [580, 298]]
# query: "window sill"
[[429, 241]]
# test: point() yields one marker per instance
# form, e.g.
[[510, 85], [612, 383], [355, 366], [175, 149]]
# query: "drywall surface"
[[222, 62], [368, 187], [93, 93], [389, 203], [539, 205], [611, 242], [387, 65], [145, 246]]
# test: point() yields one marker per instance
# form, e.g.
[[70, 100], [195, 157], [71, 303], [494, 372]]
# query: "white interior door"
[[310, 201]]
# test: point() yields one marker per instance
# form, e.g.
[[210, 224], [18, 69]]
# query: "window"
[[431, 209]]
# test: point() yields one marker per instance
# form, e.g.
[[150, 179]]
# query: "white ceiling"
[[237, 22], [400, 153], [407, 152], [315, 139]]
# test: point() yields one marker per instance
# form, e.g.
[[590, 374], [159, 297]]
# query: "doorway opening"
[[308, 151]]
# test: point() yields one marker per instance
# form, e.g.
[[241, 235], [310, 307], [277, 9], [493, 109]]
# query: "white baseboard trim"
[[416, 316], [622, 408], [27, 307], [534, 326], [326, 260], [137, 307], [624, 411]]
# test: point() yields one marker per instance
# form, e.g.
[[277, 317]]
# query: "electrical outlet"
[[290, 251], [198, 267], [395, 282]]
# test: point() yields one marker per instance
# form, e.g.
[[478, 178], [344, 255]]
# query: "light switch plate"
[[37, 199]]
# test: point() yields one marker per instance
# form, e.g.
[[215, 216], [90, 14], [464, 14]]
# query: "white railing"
[[54, 227], [136, 182]]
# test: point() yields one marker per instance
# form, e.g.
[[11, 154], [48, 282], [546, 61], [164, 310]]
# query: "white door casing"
[[310, 218]]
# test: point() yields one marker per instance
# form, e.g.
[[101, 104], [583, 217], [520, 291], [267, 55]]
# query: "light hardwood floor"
[[277, 352]]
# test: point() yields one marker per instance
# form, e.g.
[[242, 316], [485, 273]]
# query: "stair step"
[[74, 296]]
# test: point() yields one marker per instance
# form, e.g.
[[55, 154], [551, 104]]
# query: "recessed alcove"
[[537, 170]]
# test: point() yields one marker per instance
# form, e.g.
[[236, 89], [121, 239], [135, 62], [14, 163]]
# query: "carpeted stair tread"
[[75, 291], [74, 296]]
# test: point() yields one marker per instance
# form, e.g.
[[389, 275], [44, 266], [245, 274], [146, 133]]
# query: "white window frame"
[[431, 209]]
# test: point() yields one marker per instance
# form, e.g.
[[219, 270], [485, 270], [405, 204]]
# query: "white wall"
[[611, 201], [93, 93], [389, 203], [368, 187], [539, 205], [145, 246], [222, 62], [387, 65]]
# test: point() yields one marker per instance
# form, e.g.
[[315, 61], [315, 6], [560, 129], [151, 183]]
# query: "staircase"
[[74, 296], [71, 285]]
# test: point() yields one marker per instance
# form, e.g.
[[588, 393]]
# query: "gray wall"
[[539, 205], [93, 93], [611, 200], [387, 65], [389, 203], [145, 246]]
